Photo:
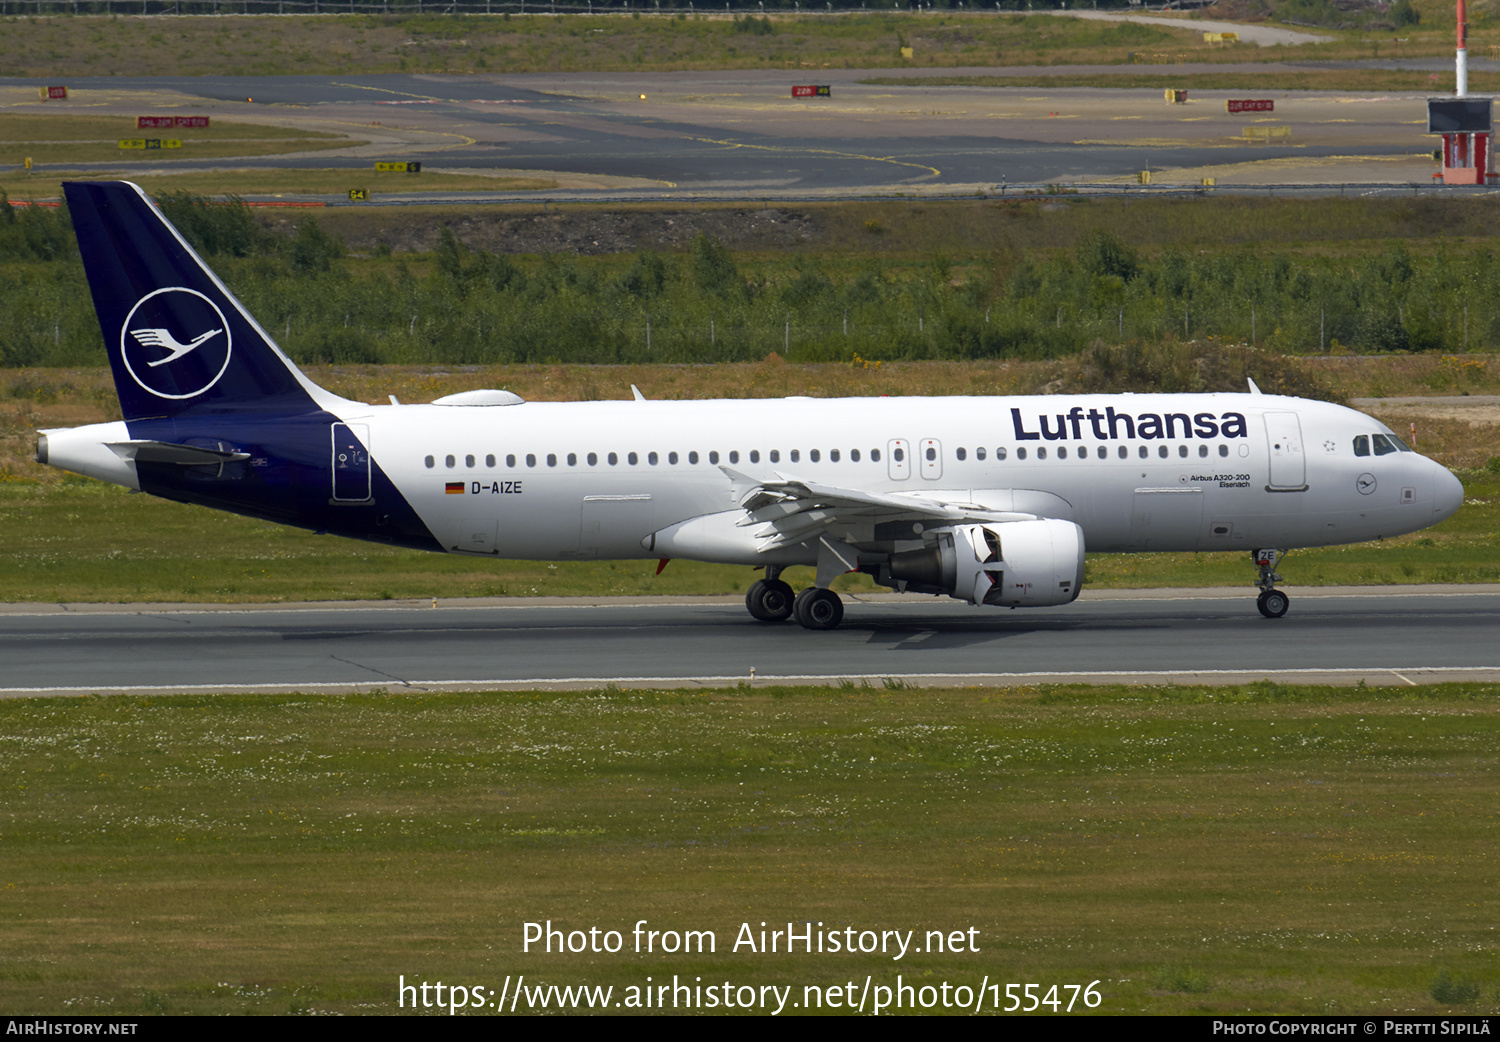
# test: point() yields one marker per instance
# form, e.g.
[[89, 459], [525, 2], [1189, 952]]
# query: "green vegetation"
[[231, 45], [278, 183], [50, 140], [1027, 296], [1203, 850], [63, 46], [1454, 991]]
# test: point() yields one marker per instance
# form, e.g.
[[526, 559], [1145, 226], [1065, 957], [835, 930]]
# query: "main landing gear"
[[1271, 602], [771, 600]]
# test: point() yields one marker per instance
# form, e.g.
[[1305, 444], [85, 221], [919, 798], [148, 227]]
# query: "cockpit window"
[[1383, 446], [1399, 443], [1362, 445]]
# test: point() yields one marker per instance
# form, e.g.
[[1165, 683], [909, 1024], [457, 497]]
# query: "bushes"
[[459, 306]]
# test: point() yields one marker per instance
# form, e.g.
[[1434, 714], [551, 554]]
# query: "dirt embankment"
[[504, 230]]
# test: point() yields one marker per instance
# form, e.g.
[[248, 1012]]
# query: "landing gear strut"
[[1271, 602], [770, 599]]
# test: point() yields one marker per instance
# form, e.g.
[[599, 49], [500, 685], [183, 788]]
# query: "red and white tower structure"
[[1461, 59], [1464, 122]]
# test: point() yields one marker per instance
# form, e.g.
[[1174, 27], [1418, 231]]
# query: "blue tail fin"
[[178, 340]]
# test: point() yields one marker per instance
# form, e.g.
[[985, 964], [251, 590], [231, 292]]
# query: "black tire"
[[819, 609], [769, 600], [1273, 603]]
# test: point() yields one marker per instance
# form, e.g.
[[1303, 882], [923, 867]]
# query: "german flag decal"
[[454, 488]]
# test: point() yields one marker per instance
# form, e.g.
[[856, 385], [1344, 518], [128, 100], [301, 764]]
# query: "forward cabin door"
[[1288, 463]]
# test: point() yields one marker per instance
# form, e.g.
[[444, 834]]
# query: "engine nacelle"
[[1014, 564]]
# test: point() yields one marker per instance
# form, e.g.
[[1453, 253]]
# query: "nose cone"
[[1447, 495]]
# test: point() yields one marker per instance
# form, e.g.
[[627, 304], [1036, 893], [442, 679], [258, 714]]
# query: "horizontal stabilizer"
[[168, 452]]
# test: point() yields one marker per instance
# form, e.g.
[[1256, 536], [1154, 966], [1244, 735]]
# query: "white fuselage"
[[593, 479]]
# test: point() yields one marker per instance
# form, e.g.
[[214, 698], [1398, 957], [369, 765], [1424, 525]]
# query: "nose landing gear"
[[1271, 602]]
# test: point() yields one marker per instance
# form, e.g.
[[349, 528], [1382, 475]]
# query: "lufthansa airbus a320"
[[990, 500]]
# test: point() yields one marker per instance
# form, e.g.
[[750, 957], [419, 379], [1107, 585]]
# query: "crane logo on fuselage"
[[175, 343]]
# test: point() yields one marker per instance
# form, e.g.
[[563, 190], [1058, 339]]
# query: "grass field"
[[229, 45], [53, 139], [290, 182], [1262, 849]]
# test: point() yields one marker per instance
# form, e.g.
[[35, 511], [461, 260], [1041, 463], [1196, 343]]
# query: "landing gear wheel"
[[1273, 603], [769, 600], [819, 609]]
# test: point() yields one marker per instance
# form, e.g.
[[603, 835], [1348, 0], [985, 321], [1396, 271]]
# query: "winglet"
[[636, 391], [1253, 388]]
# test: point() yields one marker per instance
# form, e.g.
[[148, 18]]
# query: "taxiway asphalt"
[[733, 134]]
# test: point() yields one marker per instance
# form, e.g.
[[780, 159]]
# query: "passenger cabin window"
[[468, 461], [593, 459], [450, 461], [614, 459], [530, 459], [430, 462], [754, 455], [854, 455], [632, 459], [775, 456], [1000, 453], [489, 461], [795, 455], [510, 461], [875, 455]]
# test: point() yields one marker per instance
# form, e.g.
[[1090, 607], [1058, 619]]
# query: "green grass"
[[330, 182], [55, 139], [69, 46], [1256, 849]]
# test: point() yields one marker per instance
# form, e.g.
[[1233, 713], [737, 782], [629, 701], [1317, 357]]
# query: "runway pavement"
[[1382, 635]]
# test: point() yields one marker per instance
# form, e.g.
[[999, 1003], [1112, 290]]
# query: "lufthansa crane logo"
[[175, 343]]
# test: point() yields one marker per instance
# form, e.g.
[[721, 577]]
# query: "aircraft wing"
[[789, 510]]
